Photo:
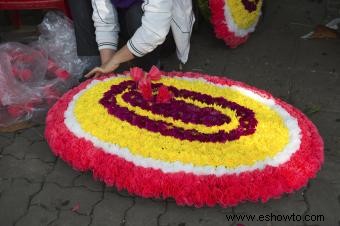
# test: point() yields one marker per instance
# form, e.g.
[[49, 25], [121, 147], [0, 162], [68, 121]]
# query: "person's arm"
[[155, 27], [156, 23], [106, 55], [105, 20]]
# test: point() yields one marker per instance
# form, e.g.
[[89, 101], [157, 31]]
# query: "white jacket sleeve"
[[105, 20], [155, 27]]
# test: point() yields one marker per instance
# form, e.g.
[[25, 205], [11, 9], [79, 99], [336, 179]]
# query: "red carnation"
[[16, 111], [144, 83], [136, 73], [57, 71], [22, 74], [154, 73], [51, 95], [145, 88], [164, 95], [25, 74], [62, 74]]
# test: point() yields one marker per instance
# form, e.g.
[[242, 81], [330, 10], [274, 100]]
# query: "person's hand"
[[121, 56], [104, 69]]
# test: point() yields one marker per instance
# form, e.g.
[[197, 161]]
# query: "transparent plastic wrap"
[[33, 77], [30, 83], [58, 39]]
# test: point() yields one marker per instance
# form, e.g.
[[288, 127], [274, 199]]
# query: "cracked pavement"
[[36, 188]]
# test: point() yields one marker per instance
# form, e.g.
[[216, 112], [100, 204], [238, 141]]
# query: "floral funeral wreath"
[[233, 20], [200, 140]]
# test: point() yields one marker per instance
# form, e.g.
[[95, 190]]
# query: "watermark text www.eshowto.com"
[[274, 218]]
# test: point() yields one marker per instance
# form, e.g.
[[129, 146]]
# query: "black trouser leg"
[[84, 28]]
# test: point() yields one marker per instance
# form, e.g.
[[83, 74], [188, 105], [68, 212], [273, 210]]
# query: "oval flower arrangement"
[[234, 20], [200, 140]]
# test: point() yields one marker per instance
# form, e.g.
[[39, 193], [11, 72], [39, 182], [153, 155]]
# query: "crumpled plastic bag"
[[30, 83], [58, 39], [33, 77]]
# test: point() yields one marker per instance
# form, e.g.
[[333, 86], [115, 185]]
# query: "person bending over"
[[145, 26]]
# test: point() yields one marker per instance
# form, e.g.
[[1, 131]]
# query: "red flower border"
[[222, 31], [189, 189]]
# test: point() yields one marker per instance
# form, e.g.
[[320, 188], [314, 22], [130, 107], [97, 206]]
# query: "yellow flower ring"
[[234, 20], [217, 142]]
